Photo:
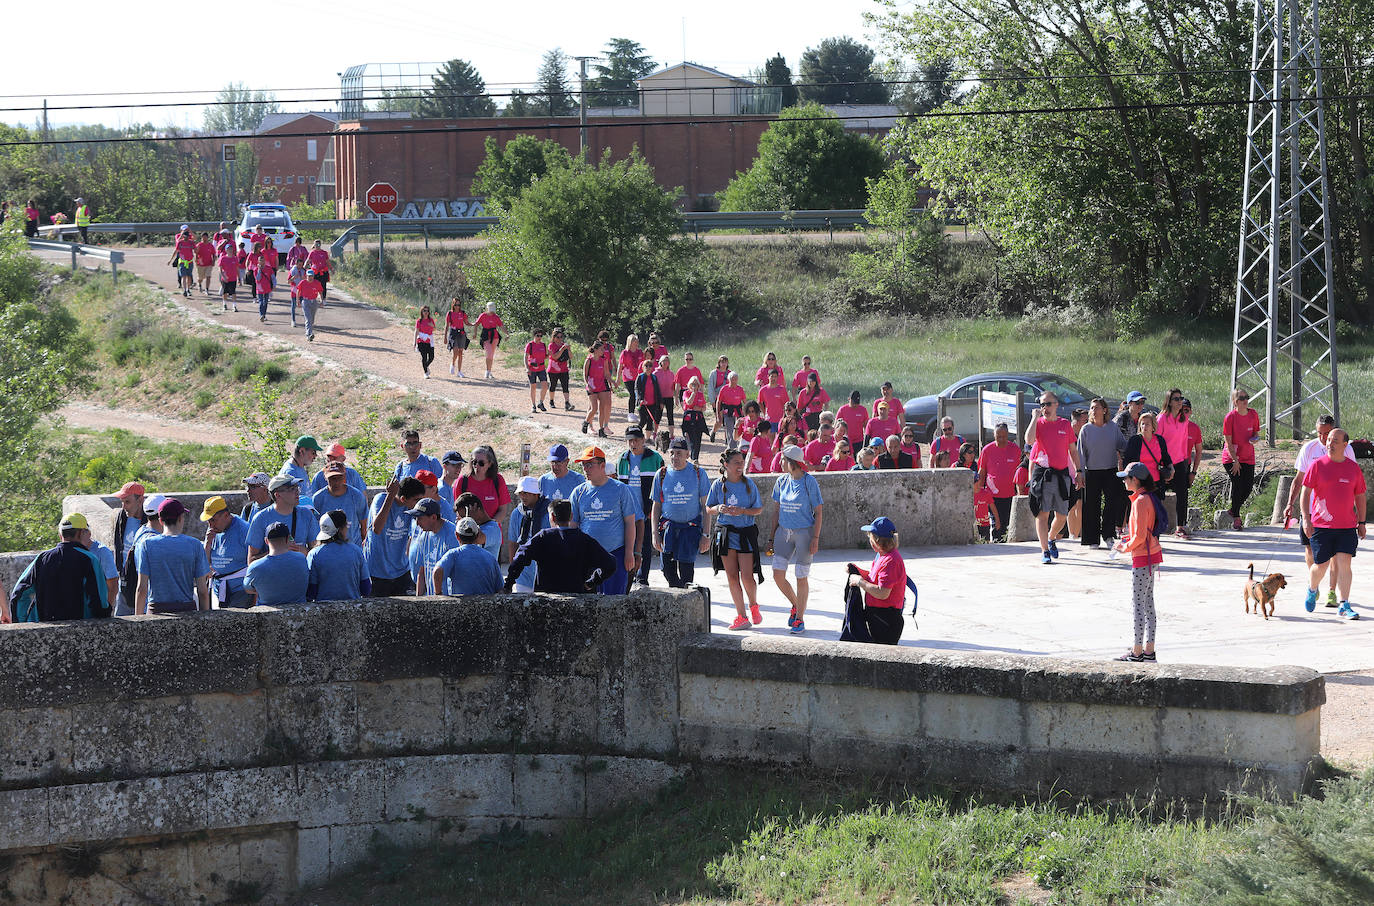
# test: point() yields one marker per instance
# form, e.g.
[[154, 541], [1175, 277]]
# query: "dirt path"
[[1347, 733], [147, 424]]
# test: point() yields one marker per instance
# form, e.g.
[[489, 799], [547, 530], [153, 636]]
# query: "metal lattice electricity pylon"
[[1285, 328]]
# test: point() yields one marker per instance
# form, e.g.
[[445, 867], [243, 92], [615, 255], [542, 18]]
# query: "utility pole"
[[1285, 295], [582, 106]]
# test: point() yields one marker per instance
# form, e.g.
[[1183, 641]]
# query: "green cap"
[[309, 442]]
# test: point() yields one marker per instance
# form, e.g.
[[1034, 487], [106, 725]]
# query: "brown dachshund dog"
[[1263, 592]]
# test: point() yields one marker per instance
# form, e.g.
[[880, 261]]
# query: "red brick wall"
[[292, 158]]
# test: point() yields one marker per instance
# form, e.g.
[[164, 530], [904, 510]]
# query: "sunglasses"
[[947, 430], [479, 462], [1175, 399]]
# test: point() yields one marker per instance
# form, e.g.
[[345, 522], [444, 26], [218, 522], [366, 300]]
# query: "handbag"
[[1166, 469]]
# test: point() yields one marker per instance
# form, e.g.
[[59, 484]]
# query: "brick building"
[[291, 166]]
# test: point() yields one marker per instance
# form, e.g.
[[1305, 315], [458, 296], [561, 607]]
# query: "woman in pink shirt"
[[631, 363], [318, 262], [812, 400], [730, 407], [456, 322], [598, 389], [894, 405], [560, 363], [770, 363], [799, 379], [424, 339], [774, 396], [1240, 429], [841, 460], [491, 325], [855, 417], [694, 416], [1177, 431]]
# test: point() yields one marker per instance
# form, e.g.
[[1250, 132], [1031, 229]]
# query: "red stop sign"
[[381, 198]]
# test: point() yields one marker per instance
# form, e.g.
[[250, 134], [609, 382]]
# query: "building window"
[[290, 180], [278, 180], [277, 144], [267, 180], [300, 179], [311, 149], [312, 180]]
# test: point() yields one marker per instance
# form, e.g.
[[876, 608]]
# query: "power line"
[[639, 122]]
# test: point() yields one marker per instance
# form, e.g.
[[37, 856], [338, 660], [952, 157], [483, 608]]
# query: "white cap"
[[794, 453], [468, 527], [528, 485], [327, 528]]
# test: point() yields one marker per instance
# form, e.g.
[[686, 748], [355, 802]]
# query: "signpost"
[[381, 199], [229, 153], [999, 409]]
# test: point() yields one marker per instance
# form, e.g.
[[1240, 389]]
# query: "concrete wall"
[[981, 720], [267, 748]]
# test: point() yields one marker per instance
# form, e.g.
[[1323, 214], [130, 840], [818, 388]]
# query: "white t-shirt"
[[1311, 451]]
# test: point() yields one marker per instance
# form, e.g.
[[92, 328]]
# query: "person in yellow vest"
[[83, 218]]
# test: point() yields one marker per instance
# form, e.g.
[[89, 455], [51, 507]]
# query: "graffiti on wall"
[[431, 209]]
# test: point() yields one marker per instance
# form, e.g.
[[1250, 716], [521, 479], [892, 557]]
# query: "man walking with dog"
[[1332, 504], [1311, 451]]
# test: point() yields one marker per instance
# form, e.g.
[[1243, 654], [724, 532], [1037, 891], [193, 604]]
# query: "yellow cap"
[[212, 506], [73, 521]]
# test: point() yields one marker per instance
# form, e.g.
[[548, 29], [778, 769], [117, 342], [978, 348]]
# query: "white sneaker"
[[450, 370], [460, 374]]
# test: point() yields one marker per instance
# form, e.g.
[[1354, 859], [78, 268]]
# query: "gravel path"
[[147, 424]]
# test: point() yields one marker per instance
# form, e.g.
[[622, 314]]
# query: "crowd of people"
[[443, 525]]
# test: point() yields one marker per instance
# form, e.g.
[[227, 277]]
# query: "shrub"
[[274, 372]]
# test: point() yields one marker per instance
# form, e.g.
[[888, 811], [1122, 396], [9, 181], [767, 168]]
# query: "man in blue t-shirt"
[[389, 540], [301, 521], [338, 494], [607, 510], [527, 520], [307, 448], [469, 568], [338, 570], [437, 537], [280, 577], [336, 453], [415, 460], [680, 522], [226, 544], [173, 571], [559, 481]]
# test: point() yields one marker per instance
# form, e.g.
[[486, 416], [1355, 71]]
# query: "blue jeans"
[[310, 306], [262, 304]]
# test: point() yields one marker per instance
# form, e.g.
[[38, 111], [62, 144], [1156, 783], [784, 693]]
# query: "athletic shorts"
[[227, 287], [537, 377], [1050, 499], [792, 546], [1328, 542], [1302, 536], [558, 378], [203, 271], [184, 268]]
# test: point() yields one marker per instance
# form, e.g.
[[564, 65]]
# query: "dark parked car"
[[922, 413]]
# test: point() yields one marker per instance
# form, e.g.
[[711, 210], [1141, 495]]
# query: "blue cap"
[[882, 527], [452, 458], [427, 506], [558, 453], [1135, 396], [877, 443], [1137, 470]]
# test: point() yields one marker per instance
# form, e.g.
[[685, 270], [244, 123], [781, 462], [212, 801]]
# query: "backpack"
[[1161, 515]]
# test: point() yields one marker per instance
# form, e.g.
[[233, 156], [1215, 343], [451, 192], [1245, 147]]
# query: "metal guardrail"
[[77, 249]]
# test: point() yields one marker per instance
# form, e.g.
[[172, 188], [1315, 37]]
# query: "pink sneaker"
[[740, 623], [754, 613]]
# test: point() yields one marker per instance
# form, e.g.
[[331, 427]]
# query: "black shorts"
[[537, 377], [227, 287], [385, 588], [558, 378], [457, 339], [323, 277], [1328, 542], [1302, 536]]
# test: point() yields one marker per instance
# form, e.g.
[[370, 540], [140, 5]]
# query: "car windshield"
[[1067, 391], [265, 218]]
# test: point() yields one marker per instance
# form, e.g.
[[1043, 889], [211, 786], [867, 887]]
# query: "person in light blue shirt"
[[528, 519], [280, 577], [431, 484], [336, 453], [415, 461], [106, 557], [307, 448], [469, 568], [339, 495], [735, 501], [798, 534], [338, 569], [226, 544], [437, 537], [559, 481], [301, 521], [173, 571], [606, 510], [389, 539], [679, 520]]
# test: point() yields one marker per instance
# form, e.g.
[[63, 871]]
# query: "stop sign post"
[[381, 199]]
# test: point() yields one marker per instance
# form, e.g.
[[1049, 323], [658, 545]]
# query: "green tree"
[[520, 104], [777, 72], [806, 161], [553, 96], [840, 71], [238, 110], [584, 245], [927, 87], [458, 91], [400, 100], [266, 425], [614, 84], [509, 168]]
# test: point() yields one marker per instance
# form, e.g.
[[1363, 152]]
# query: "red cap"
[[427, 478], [130, 489], [590, 453], [336, 449]]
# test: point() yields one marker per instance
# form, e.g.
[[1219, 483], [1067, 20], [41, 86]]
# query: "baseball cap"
[[309, 442], [427, 478], [877, 443], [590, 453], [151, 504], [73, 521], [330, 524], [794, 453], [130, 489], [881, 527], [335, 468], [337, 449], [528, 485], [426, 507], [468, 528], [257, 478], [1135, 396], [212, 506], [634, 431], [278, 530], [452, 458], [679, 443], [1136, 470], [282, 481], [559, 453], [171, 510]]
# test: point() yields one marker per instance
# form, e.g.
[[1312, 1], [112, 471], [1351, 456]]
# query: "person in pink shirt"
[[730, 407], [1146, 555], [774, 396], [664, 377], [491, 325], [1051, 488], [184, 259], [597, 380], [946, 441], [298, 255], [456, 326], [205, 262], [537, 369], [882, 425], [1177, 431], [760, 455], [985, 514], [790, 423], [683, 377], [646, 393], [748, 424], [910, 446], [560, 359], [855, 417], [631, 364], [424, 339], [318, 262], [244, 264], [770, 363], [223, 237], [894, 405], [1240, 429], [228, 279], [656, 350], [693, 415], [819, 450], [841, 461], [716, 380], [783, 442], [799, 379], [997, 465], [1333, 507], [309, 291], [812, 400], [262, 282]]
